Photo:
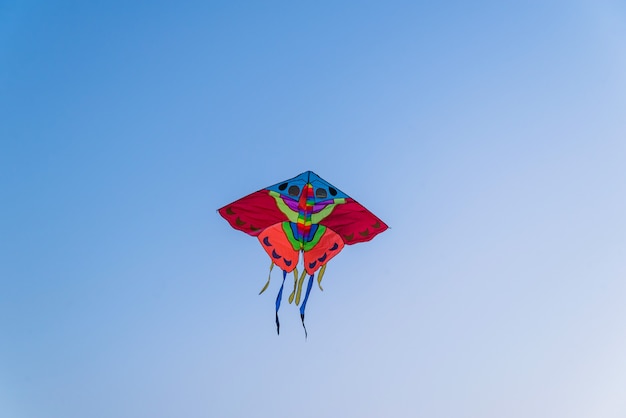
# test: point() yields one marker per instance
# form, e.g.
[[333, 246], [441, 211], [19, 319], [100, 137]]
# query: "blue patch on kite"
[[316, 181]]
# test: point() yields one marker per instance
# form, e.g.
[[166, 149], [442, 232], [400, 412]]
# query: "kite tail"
[[303, 307], [268, 279], [278, 299], [320, 275], [295, 283], [300, 282]]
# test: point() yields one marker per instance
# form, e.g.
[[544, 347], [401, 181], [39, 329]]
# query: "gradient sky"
[[491, 137]]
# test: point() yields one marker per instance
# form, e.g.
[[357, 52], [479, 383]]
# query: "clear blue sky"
[[491, 137]]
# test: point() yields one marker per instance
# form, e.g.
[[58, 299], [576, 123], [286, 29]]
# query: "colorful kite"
[[307, 215]]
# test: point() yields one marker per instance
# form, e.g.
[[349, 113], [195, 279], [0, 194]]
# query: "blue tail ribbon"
[[303, 306], [278, 299]]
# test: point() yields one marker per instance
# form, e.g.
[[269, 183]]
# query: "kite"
[[305, 216]]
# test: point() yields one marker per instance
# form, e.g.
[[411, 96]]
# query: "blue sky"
[[489, 136]]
